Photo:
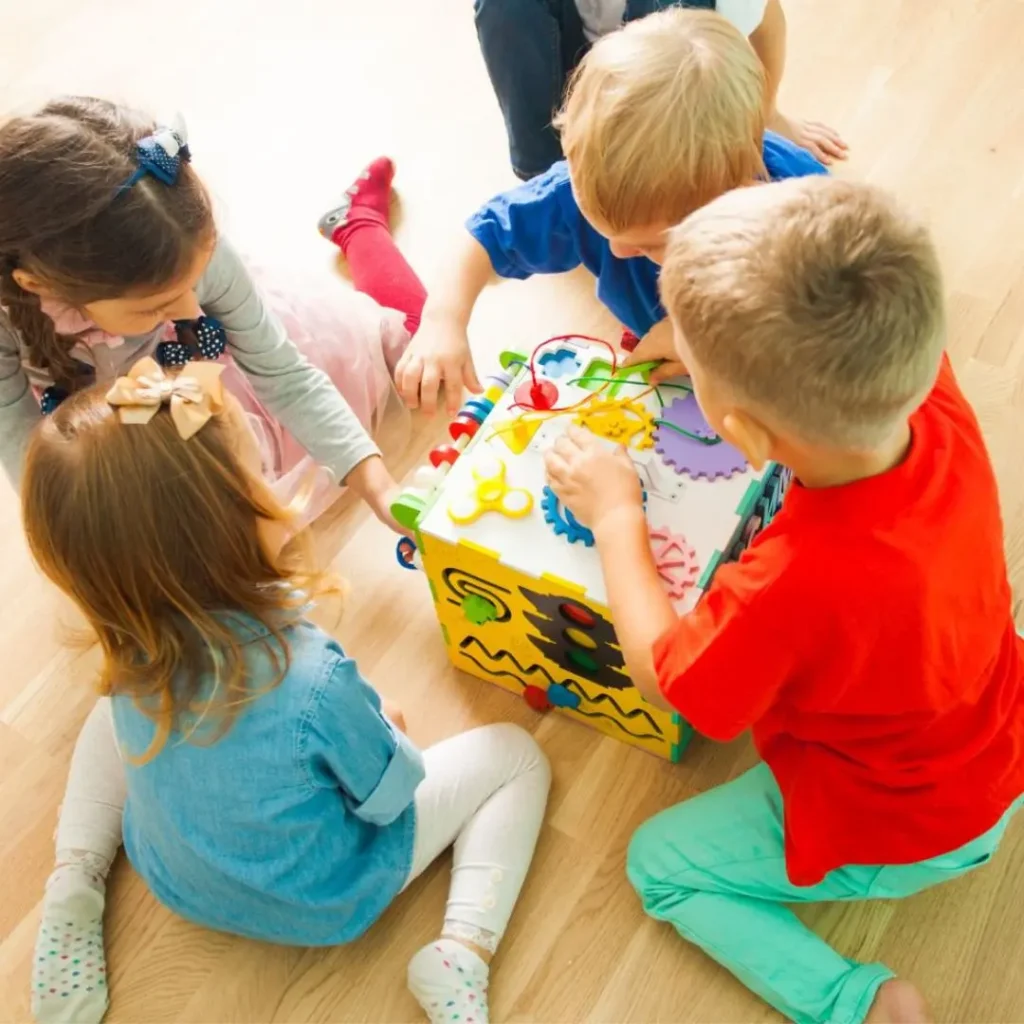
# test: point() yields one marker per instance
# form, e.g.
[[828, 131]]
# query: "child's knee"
[[517, 743], [641, 858], [660, 852]]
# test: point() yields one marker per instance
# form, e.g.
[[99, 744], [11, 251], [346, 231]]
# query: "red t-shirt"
[[866, 638]]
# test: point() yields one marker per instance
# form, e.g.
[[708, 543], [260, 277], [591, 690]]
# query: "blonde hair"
[[663, 116], [156, 540], [817, 300]]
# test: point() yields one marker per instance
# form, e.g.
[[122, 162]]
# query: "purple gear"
[[686, 455]]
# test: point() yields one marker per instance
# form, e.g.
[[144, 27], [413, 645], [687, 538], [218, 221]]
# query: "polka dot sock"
[[450, 982], [69, 970]]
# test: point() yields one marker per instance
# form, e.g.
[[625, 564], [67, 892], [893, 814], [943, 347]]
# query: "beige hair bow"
[[194, 395]]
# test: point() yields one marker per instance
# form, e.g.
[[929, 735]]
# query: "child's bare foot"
[[898, 1002], [822, 142]]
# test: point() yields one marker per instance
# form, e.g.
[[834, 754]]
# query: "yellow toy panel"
[[516, 579], [543, 641]]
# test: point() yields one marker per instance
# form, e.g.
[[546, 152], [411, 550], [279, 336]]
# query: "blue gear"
[[562, 521]]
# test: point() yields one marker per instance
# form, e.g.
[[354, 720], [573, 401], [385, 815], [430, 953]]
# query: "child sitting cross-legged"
[[269, 792], [866, 635]]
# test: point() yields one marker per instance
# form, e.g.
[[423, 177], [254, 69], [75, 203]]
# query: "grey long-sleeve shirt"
[[302, 397]]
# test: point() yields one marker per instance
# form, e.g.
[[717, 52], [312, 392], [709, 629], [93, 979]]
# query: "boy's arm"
[[439, 353], [637, 601], [658, 345], [720, 666], [601, 488], [532, 229]]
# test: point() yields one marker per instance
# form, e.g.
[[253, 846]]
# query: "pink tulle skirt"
[[355, 342]]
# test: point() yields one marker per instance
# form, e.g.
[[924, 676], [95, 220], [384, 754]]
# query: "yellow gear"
[[623, 421]]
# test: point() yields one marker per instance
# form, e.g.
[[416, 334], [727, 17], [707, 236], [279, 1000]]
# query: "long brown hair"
[[157, 542], [62, 219]]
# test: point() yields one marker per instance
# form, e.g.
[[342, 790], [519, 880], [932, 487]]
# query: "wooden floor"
[[285, 103]]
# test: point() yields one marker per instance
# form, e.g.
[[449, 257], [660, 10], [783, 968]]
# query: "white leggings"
[[485, 791]]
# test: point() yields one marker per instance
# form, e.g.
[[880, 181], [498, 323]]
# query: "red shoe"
[[366, 198]]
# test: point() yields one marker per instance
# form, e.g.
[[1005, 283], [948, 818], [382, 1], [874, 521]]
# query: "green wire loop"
[[686, 433]]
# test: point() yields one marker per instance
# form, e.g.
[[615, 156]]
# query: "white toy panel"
[[703, 511]]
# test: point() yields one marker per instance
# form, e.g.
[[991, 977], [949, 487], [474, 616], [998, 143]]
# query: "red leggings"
[[379, 269]]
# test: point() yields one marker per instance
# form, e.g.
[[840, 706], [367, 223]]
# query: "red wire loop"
[[566, 337]]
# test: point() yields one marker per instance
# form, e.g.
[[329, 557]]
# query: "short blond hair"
[[817, 300], [663, 116]]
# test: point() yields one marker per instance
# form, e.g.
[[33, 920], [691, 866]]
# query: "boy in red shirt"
[[866, 635]]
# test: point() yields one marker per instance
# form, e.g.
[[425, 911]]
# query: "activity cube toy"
[[515, 578]]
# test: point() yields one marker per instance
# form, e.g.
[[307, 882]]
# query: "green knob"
[[478, 609], [406, 509]]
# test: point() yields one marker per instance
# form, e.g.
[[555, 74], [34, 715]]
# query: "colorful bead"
[[536, 698], [561, 697], [463, 426], [444, 453], [477, 408]]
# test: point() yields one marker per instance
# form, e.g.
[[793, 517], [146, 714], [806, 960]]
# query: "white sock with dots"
[[450, 982], [69, 969]]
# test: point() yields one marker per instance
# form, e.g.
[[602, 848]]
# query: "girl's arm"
[[19, 410], [352, 745], [301, 396]]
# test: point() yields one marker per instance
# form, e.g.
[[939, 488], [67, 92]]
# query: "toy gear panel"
[[515, 577]]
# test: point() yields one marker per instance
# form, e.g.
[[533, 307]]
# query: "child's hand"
[[593, 482], [376, 486], [394, 714], [823, 143], [656, 345], [438, 355]]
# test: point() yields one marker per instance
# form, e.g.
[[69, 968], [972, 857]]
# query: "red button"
[[536, 698], [579, 615], [542, 395]]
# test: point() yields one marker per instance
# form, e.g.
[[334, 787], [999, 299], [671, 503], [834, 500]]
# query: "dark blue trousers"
[[530, 48]]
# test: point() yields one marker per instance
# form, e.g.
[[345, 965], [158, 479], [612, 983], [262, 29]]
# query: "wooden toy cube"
[[516, 580]]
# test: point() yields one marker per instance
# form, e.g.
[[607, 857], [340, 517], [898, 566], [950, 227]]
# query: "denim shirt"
[[297, 825], [537, 228]]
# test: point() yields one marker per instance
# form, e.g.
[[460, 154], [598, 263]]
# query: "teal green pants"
[[714, 868]]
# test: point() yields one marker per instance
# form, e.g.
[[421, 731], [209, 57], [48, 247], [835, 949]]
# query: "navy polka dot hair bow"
[[51, 398], [160, 155], [204, 338]]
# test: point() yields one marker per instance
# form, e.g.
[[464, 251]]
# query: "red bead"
[[542, 395], [536, 698], [443, 453], [463, 426], [578, 614]]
